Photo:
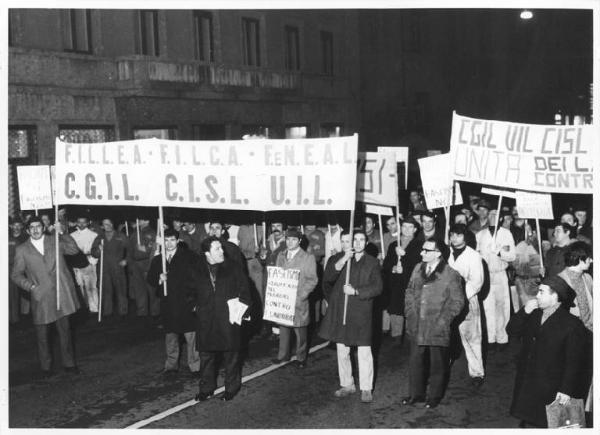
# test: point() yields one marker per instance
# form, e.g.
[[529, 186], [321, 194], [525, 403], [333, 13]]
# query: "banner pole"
[[255, 236], [398, 223], [381, 235], [57, 253], [137, 230], [162, 243], [348, 264], [264, 228], [127, 228], [539, 238], [101, 280], [497, 217], [447, 226], [36, 211]]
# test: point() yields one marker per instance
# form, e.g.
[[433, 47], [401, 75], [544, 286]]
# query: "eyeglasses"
[[429, 250]]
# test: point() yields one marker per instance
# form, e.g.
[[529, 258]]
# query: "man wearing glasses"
[[434, 297]]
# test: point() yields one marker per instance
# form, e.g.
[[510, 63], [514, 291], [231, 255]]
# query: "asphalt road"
[[120, 385]]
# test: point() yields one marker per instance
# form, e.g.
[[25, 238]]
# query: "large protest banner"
[[436, 179], [542, 158], [280, 295], [376, 181], [291, 174], [35, 191]]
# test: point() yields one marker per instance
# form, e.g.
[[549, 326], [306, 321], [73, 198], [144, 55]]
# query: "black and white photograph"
[[312, 216]]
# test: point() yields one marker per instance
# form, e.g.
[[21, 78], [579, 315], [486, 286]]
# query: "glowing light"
[[526, 15]]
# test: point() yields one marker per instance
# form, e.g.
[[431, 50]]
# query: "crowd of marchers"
[[469, 291]]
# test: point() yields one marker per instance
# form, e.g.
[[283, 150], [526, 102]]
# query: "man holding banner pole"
[[34, 269], [364, 285]]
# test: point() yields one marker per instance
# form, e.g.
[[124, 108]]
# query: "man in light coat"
[[467, 262], [295, 257], [34, 270], [497, 251], [355, 329], [86, 276]]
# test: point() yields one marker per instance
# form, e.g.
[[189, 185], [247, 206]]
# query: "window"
[[204, 36], [149, 33], [327, 53], [78, 30], [330, 130], [22, 145], [86, 134], [255, 131], [292, 48], [296, 132], [159, 133], [209, 132], [251, 41]]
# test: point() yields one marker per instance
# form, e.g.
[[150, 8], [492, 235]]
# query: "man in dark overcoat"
[[551, 361], [34, 270], [138, 264], [397, 268], [434, 297], [365, 284], [177, 306], [219, 280]]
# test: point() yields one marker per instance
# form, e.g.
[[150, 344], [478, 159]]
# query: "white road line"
[[192, 402]]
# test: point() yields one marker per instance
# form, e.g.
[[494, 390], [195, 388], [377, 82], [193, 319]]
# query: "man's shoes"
[[73, 370], [47, 374], [226, 396], [301, 364], [432, 403], [477, 381], [366, 396], [202, 397], [411, 400], [345, 391], [279, 361]]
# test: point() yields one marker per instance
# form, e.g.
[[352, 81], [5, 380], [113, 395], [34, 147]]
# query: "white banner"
[[35, 191], [532, 205], [401, 157], [542, 158], [498, 192], [280, 295], [378, 209], [291, 174], [376, 180], [436, 179]]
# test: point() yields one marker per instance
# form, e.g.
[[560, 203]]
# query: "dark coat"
[[365, 276], [551, 360], [555, 260], [213, 330], [432, 303], [177, 308], [32, 268], [394, 284]]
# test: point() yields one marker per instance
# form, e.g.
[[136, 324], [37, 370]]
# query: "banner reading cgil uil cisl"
[[263, 174], [541, 158]]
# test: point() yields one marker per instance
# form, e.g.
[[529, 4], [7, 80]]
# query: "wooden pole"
[[255, 236], [162, 243], [348, 264], [57, 254], [126, 228], [539, 238], [264, 240], [137, 230], [381, 235], [36, 211], [447, 226], [101, 280], [497, 217], [398, 223]]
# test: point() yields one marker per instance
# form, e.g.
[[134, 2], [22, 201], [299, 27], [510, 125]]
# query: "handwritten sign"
[[436, 178], [280, 295], [401, 157], [376, 180], [532, 205], [378, 209], [35, 190], [543, 158], [292, 174]]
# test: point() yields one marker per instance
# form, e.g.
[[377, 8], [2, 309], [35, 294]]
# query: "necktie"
[[429, 270], [169, 256]]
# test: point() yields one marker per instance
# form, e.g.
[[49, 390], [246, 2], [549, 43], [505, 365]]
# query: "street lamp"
[[526, 15]]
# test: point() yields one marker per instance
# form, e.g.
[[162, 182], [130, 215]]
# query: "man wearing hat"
[[552, 354], [483, 210], [295, 257]]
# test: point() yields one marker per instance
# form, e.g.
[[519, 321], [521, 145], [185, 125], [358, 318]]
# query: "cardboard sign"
[[534, 205], [291, 174], [540, 158], [401, 157], [378, 209], [35, 190], [498, 192], [376, 179], [280, 295], [436, 179]]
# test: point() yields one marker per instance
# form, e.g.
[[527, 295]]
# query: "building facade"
[[101, 75]]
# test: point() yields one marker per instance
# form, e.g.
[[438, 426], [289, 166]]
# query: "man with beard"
[[467, 262], [220, 280]]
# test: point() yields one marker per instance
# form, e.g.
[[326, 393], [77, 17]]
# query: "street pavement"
[[120, 385]]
